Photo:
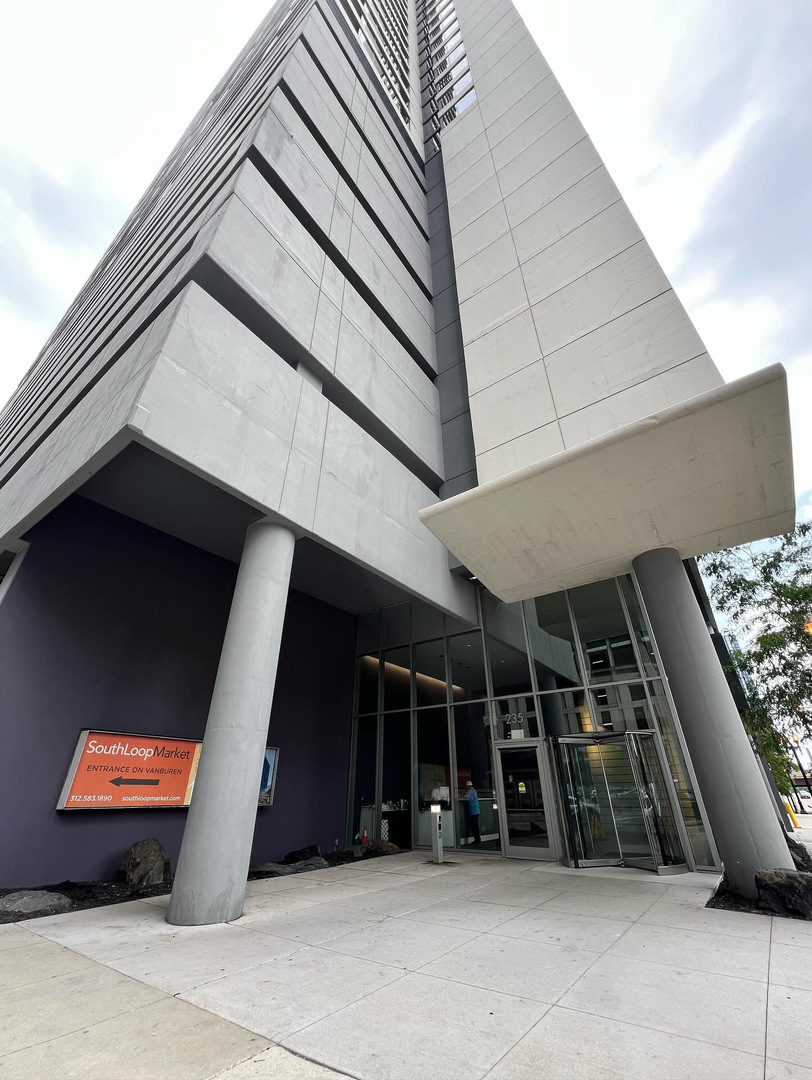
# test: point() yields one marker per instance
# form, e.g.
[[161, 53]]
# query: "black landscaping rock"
[[314, 863], [374, 848], [273, 869], [303, 854], [340, 857], [146, 863], [786, 892], [800, 855], [34, 902]]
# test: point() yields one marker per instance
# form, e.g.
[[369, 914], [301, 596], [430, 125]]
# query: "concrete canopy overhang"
[[710, 473]]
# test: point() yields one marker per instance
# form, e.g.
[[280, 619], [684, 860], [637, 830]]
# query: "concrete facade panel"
[[524, 81], [562, 136], [644, 342], [507, 349], [365, 258], [536, 445], [484, 231], [540, 123], [477, 203], [460, 163], [368, 503], [470, 177], [614, 411], [513, 57], [248, 252], [493, 23], [214, 372], [523, 107], [687, 380], [553, 181], [388, 395], [494, 262], [618, 286], [460, 133], [284, 125], [92, 432], [481, 60], [515, 405], [561, 215], [590, 245], [280, 222], [324, 342], [496, 304], [356, 309]]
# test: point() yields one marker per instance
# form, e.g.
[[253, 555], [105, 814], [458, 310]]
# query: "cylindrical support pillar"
[[741, 815], [216, 850]]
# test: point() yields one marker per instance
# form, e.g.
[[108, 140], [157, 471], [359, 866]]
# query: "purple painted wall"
[[111, 624]]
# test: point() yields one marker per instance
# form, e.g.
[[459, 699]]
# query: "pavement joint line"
[[767, 999], [89, 1027], [648, 1027], [341, 1008], [681, 966], [487, 989], [653, 1027], [698, 930]]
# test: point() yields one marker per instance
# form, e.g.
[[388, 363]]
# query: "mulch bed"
[[90, 894], [86, 894]]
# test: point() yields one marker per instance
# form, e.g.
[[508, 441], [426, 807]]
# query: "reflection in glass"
[[565, 714], [397, 678], [505, 646], [644, 645], [626, 811], [429, 673], [524, 802], [617, 802], [475, 770], [588, 804], [621, 708], [366, 764], [515, 718], [368, 671], [433, 775], [658, 813], [604, 634], [396, 780], [679, 773], [552, 642], [467, 666]]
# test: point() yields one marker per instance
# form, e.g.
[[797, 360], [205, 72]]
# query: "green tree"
[[765, 592]]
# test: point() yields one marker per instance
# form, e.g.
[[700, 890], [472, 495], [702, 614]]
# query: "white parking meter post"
[[436, 832]]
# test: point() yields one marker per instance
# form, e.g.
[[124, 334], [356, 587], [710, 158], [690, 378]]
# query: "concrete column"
[[739, 807], [213, 863]]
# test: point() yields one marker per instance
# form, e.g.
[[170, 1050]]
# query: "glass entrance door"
[[616, 802], [525, 823]]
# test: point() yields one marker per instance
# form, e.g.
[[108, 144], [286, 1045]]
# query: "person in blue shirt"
[[472, 799]]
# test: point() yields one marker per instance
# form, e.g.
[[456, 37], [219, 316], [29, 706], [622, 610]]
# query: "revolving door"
[[617, 806]]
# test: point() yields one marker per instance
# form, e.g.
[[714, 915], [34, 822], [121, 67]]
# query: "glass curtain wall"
[[431, 715]]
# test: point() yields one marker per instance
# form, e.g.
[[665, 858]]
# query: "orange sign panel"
[[110, 771]]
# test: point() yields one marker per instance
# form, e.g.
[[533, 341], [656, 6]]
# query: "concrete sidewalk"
[[395, 969]]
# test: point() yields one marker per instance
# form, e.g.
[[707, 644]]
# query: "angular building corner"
[[379, 436]]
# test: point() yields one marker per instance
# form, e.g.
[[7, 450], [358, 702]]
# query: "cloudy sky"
[[702, 111]]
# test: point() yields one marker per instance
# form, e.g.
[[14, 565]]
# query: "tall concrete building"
[[378, 437]]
